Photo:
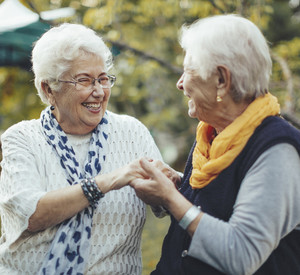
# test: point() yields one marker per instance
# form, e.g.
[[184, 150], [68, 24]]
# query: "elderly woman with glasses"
[[64, 207], [237, 210]]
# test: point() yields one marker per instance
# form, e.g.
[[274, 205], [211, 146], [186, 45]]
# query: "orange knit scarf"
[[210, 159]]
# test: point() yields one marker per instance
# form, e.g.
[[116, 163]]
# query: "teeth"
[[91, 105]]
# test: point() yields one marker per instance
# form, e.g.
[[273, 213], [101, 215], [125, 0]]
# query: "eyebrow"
[[87, 74], [188, 70]]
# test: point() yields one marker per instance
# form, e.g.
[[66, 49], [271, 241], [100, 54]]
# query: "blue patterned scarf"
[[69, 250]]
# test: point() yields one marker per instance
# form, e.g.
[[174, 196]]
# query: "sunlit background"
[[143, 36]]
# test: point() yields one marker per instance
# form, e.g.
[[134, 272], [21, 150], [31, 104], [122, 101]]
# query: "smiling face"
[[202, 93], [79, 109]]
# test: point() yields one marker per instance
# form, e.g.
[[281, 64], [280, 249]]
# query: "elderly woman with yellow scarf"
[[237, 210]]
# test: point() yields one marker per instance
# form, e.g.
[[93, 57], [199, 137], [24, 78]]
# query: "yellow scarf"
[[210, 159]]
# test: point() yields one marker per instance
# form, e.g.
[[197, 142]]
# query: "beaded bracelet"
[[91, 191]]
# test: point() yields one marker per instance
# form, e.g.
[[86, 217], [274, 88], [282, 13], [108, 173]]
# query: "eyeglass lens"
[[104, 81]]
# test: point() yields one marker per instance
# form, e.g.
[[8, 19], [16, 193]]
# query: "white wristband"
[[189, 216]]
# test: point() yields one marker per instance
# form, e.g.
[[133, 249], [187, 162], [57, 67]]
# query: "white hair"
[[55, 51], [232, 41]]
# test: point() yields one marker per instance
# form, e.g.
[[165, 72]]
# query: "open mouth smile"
[[92, 106]]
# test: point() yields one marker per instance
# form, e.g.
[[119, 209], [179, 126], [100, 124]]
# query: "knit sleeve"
[[20, 184], [133, 136], [266, 210], [140, 142], [150, 148]]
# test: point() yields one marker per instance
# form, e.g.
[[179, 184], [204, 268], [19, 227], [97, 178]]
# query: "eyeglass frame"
[[112, 78]]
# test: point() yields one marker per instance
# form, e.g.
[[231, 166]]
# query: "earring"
[[219, 99], [52, 108]]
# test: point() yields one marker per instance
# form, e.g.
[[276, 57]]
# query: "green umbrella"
[[19, 28], [16, 45]]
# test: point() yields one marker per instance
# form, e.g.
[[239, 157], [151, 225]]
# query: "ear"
[[224, 80], [48, 92]]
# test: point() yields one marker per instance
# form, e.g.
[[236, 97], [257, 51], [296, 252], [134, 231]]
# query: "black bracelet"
[[91, 191]]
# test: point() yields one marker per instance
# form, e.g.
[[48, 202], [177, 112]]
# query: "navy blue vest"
[[218, 198]]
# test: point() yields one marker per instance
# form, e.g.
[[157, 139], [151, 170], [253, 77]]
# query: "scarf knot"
[[213, 154]]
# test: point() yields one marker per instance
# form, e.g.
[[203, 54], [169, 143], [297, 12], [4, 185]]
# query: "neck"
[[80, 129], [227, 113]]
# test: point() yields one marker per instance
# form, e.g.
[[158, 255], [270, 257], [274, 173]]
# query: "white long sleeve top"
[[30, 168]]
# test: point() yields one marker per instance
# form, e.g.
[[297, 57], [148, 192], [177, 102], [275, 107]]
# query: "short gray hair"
[[232, 41], [54, 52]]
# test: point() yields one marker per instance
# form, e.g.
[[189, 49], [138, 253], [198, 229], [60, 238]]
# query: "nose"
[[98, 90], [179, 83]]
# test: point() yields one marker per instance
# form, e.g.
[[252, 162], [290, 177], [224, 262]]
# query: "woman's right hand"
[[120, 177]]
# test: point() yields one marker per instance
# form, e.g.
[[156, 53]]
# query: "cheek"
[[190, 85], [186, 84], [107, 95]]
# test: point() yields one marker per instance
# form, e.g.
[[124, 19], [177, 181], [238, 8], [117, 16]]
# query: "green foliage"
[[17, 96], [289, 50], [144, 88], [282, 25], [154, 231]]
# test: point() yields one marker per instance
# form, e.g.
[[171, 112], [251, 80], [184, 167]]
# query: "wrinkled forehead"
[[86, 64], [85, 58]]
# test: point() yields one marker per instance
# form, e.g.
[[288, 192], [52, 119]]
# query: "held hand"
[[120, 177], [157, 188], [169, 172]]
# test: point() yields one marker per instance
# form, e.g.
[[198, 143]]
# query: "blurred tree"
[[283, 25], [143, 35]]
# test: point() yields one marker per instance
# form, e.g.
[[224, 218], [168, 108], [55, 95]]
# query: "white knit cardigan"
[[30, 168]]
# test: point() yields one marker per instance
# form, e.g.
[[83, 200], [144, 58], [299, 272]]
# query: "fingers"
[[168, 171], [149, 168], [136, 171], [134, 183], [164, 168]]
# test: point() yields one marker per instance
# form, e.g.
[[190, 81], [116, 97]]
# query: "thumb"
[[134, 183], [150, 169]]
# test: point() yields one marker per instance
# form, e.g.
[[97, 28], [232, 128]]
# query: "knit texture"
[[30, 169]]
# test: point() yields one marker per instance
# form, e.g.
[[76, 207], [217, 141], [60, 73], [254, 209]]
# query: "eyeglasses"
[[105, 81]]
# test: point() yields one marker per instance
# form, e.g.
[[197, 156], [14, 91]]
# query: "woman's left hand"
[[156, 188], [159, 190], [168, 171]]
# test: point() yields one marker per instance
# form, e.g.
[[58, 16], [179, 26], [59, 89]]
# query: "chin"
[[92, 123], [192, 114]]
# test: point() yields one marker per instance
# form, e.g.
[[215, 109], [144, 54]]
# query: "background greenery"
[[143, 36], [152, 237]]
